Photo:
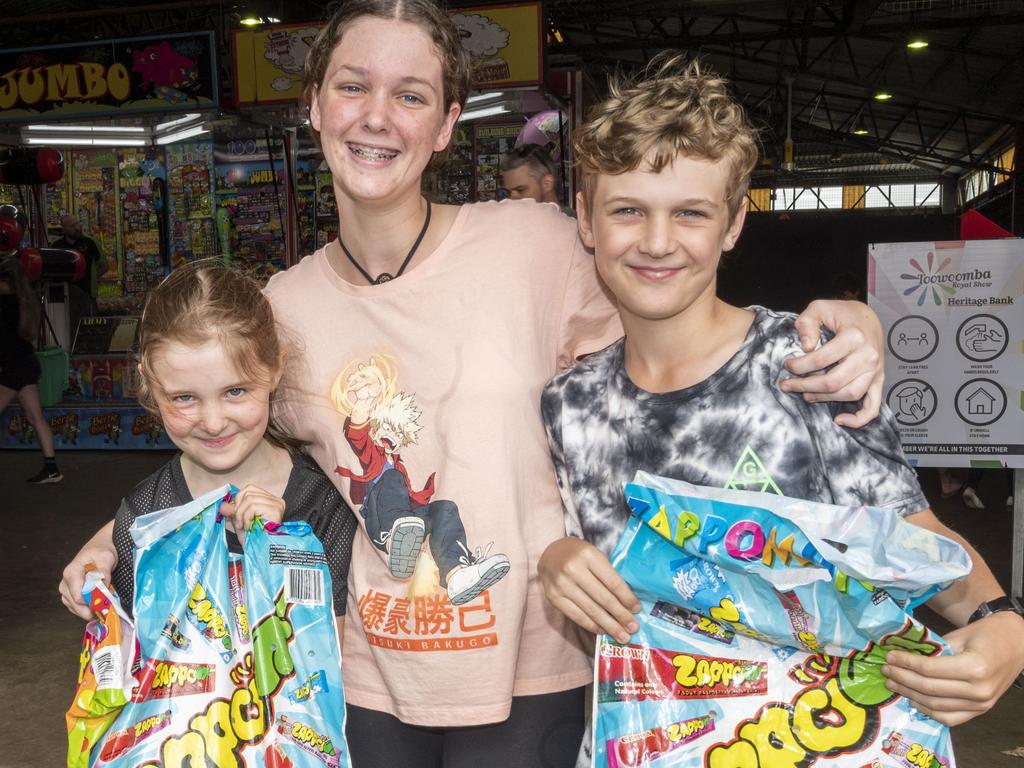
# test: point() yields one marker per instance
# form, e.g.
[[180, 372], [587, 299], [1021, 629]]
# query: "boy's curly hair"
[[673, 107]]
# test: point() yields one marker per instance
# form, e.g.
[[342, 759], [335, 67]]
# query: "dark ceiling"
[[953, 103]]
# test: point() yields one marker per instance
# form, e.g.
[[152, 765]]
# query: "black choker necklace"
[[385, 277]]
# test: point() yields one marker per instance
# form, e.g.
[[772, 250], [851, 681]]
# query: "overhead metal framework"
[[952, 104]]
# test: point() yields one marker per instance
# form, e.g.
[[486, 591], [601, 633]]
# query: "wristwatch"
[[1004, 603]]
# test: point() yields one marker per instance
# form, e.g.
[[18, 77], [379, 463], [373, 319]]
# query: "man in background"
[[528, 172], [82, 292]]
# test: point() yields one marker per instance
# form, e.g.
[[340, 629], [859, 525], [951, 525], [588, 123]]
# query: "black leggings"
[[541, 732]]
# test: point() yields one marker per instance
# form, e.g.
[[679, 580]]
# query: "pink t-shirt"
[[421, 399]]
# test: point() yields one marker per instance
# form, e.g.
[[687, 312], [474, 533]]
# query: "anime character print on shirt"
[[400, 517]]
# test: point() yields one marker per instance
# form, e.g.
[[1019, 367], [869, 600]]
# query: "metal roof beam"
[[790, 32]]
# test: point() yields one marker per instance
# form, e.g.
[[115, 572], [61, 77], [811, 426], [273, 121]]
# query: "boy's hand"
[[855, 351], [104, 557], [581, 583], [249, 503], [989, 654]]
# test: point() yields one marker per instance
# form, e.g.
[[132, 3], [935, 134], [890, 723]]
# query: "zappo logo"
[[935, 281]]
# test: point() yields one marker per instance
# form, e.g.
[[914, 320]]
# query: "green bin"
[[54, 377]]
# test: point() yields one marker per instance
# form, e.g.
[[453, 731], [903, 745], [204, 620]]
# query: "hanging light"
[[184, 133], [490, 95], [166, 126], [84, 141], [476, 114], [883, 96], [254, 13], [555, 34], [84, 129], [917, 44]]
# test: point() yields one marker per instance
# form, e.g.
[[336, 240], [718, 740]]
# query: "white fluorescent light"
[[484, 97], [118, 129], [185, 133], [87, 128], [473, 114], [85, 141], [159, 127]]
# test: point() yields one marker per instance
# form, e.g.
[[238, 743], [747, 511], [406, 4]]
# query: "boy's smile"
[[658, 237]]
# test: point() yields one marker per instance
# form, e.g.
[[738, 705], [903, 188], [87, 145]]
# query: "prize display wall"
[[150, 209]]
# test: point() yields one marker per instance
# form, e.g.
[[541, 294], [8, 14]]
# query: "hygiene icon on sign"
[[982, 338], [912, 401]]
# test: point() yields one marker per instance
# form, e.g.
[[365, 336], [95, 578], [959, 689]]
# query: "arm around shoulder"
[[854, 358]]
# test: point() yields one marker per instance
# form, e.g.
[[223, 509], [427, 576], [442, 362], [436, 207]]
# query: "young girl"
[[210, 360], [19, 369]]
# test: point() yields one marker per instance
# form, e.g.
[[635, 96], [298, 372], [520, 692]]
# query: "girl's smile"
[[215, 414], [380, 110]]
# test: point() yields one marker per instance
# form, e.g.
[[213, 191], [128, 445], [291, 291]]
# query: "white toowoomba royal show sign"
[[953, 315]]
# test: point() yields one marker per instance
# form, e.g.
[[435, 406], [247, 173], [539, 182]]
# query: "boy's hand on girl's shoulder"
[[855, 355], [580, 582], [249, 503], [988, 657]]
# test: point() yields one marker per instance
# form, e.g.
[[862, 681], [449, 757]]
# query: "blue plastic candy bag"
[[764, 626], [242, 666]]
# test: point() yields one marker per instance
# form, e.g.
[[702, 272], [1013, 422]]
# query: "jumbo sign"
[[108, 77], [83, 81]]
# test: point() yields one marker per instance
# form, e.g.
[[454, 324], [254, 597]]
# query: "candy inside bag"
[[241, 662], [764, 626], [107, 664]]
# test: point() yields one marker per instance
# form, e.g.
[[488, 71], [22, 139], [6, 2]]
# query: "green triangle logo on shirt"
[[749, 474]]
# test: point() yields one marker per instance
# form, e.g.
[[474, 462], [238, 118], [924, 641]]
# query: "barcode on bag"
[[304, 585], [106, 665]]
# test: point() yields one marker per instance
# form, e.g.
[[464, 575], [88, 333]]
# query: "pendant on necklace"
[[387, 277]]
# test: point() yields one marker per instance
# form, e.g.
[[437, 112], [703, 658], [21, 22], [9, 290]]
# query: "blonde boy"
[[693, 390]]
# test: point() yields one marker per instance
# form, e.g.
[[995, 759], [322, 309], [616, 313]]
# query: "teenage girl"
[[19, 368], [210, 361], [428, 333]]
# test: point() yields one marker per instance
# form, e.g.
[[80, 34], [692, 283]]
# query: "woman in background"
[[19, 369]]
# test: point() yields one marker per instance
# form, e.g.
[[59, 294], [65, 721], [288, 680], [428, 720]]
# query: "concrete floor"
[[44, 526]]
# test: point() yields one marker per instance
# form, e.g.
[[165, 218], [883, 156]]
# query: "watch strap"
[[998, 605]]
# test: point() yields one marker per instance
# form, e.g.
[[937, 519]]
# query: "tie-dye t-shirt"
[[735, 429]]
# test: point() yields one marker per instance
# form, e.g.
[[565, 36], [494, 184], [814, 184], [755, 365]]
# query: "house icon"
[[980, 403]]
